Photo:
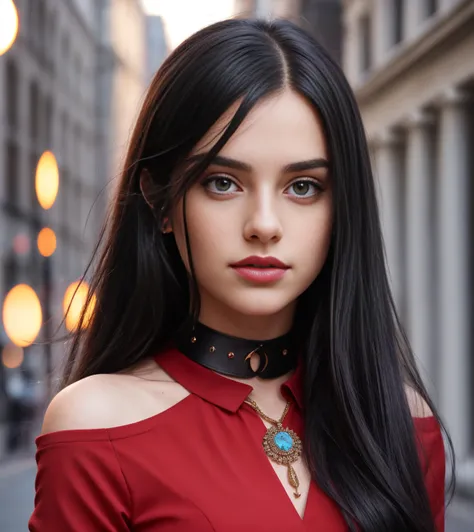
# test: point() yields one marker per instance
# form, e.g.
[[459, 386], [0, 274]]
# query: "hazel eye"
[[304, 188], [220, 185]]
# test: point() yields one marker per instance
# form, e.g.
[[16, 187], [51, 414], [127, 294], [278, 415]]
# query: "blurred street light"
[[47, 186], [22, 315], [12, 356], [46, 242], [9, 24], [74, 301], [21, 244], [47, 180]]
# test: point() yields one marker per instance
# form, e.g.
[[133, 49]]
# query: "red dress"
[[199, 466]]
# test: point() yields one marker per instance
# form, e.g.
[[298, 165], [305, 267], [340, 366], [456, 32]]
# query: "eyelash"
[[215, 178], [318, 188]]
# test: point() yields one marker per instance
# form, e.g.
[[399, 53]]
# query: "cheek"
[[314, 245], [212, 237]]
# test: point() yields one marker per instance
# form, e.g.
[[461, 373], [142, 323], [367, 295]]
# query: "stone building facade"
[[72, 84], [322, 18], [411, 64]]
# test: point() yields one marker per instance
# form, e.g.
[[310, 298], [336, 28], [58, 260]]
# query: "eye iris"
[[222, 184], [301, 188]]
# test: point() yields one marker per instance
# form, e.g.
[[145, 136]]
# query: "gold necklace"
[[281, 445]]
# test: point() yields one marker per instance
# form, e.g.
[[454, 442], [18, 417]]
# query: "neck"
[[253, 327]]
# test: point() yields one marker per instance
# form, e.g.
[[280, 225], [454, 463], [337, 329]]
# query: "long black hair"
[[359, 436]]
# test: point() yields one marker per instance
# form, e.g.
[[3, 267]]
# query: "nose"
[[263, 223]]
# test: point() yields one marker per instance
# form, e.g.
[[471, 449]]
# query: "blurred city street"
[[16, 494]]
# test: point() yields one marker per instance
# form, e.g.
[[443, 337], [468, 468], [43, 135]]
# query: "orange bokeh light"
[[22, 316], [21, 244], [47, 180], [46, 242], [73, 303], [9, 24], [12, 356]]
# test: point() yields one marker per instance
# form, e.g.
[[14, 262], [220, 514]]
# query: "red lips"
[[261, 262], [261, 270]]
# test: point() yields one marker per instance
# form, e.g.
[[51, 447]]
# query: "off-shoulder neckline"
[[210, 387], [422, 424]]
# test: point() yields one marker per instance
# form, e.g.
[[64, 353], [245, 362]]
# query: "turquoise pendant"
[[283, 446], [283, 441]]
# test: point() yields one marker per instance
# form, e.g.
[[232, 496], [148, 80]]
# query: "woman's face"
[[267, 194]]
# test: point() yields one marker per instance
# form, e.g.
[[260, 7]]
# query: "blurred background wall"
[[53, 82], [72, 83], [411, 65]]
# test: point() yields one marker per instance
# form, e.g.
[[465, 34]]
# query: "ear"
[[166, 226], [146, 187]]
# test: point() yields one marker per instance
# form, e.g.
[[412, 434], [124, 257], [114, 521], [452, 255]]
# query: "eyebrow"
[[310, 164]]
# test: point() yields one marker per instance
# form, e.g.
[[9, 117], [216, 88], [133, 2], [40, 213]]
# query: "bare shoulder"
[[90, 403], [111, 400], [418, 406]]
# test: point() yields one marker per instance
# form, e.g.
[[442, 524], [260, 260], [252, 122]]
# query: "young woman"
[[244, 368]]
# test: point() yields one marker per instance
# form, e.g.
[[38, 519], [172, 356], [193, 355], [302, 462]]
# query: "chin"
[[260, 305]]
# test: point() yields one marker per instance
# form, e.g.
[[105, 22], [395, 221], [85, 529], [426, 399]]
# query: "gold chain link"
[[254, 405]]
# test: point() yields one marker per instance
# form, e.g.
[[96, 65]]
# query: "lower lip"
[[260, 275]]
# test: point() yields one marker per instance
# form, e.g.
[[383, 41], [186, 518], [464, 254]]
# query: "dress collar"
[[215, 388]]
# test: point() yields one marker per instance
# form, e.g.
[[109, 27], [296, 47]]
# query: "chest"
[[209, 472]]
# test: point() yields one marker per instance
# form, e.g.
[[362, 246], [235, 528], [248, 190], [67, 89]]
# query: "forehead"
[[280, 129]]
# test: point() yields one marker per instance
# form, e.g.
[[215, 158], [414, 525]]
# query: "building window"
[[365, 25], [12, 94], [34, 110], [51, 40], [64, 139], [47, 135], [12, 174], [65, 63], [78, 74], [10, 272], [42, 34], [431, 7], [78, 150], [64, 200], [65, 252], [31, 18], [398, 11], [78, 208]]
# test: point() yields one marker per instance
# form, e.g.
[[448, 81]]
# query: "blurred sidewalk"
[[26, 450], [17, 477]]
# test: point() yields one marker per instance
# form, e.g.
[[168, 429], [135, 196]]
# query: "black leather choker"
[[231, 356]]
